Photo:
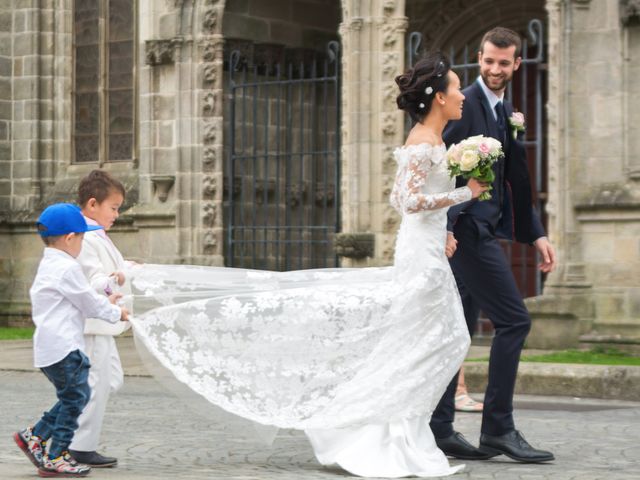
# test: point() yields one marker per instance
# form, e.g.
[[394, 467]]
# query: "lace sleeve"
[[407, 195]]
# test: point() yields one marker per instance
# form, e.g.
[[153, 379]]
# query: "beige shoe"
[[464, 403]]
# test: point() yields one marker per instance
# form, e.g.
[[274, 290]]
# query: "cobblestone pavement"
[[156, 437]]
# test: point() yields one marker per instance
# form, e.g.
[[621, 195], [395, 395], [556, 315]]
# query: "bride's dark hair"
[[419, 84]]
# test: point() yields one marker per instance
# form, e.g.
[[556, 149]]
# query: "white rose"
[[469, 160]]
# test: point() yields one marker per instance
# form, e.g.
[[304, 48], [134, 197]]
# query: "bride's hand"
[[477, 188], [451, 246]]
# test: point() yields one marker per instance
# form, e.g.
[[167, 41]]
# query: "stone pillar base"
[[558, 320]]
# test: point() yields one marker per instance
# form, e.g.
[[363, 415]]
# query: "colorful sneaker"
[[32, 446], [63, 466]]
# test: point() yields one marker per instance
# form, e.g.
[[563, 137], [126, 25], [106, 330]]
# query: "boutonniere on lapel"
[[516, 122]]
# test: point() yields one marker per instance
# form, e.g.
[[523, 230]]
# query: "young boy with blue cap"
[[61, 300]]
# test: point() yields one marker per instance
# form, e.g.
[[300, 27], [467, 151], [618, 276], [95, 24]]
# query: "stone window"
[[104, 92]]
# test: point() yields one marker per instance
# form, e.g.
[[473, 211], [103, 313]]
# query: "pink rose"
[[484, 148]]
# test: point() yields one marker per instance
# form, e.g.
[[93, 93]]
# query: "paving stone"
[[155, 436]]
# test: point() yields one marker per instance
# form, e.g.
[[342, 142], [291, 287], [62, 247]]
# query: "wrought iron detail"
[[281, 185]]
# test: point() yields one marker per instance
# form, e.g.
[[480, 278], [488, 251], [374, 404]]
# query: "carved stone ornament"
[[209, 214], [210, 73], [264, 189], [208, 104], [209, 187], [209, 156], [209, 52], [296, 193], [389, 35], [389, 6], [210, 132], [355, 245], [629, 11], [389, 125], [162, 185], [210, 20], [390, 93], [159, 52], [325, 195], [390, 66], [209, 241]]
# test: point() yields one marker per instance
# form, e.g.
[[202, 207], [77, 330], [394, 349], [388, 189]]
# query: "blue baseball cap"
[[63, 218]]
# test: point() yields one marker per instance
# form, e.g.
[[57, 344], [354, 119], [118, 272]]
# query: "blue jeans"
[[70, 376]]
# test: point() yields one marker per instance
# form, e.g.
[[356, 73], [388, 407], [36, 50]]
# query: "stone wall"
[[35, 68], [594, 195]]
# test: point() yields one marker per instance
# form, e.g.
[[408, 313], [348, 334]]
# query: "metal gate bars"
[[283, 171]]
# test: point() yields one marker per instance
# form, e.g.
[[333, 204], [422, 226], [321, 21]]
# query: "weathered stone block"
[[6, 21], [598, 247], [5, 187], [609, 305], [5, 88], [168, 25], [25, 43], [163, 107], [240, 26], [25, 88], [165, 134], [5, 44]]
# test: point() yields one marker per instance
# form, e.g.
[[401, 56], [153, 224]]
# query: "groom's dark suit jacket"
[[519, 219]]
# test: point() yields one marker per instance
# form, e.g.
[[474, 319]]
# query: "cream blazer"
[[99, 258]]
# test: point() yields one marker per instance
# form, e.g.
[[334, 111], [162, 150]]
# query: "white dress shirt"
[[61, 300], [492, 97]]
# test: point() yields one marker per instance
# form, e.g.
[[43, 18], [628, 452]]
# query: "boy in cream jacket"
[[100, 197]]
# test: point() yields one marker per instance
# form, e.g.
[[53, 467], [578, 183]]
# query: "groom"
[[481, 269]]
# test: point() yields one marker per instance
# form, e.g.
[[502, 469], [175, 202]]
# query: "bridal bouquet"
[[473, 158]]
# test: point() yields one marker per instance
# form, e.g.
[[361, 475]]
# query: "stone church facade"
[[145, 89]]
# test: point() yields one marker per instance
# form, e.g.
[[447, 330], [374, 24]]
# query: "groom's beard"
[[496, 84]]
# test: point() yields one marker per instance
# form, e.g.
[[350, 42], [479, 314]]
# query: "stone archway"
[[443, 24]]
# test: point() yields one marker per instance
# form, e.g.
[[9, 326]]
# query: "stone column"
[[594, 205], [373, 54], [181, 130]]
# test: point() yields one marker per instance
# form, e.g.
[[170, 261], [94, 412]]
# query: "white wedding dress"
[[357, 358]]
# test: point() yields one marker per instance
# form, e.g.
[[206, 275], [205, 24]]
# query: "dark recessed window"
[[104, 107]]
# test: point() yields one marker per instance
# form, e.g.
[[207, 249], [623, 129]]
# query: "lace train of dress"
[[357, 358]]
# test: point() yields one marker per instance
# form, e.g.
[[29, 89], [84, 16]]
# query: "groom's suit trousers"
[[486, 283]]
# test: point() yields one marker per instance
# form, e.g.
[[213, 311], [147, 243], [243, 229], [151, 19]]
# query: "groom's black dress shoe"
[[93, 459], [455, 445], [514, 446]]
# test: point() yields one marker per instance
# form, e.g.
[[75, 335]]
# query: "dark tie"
[[502, 122], [502, 128]]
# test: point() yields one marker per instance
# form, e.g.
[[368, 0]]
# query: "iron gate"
[[530, 102], [283, 172]]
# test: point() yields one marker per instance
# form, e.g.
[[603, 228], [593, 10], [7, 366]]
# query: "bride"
[[357, 358]]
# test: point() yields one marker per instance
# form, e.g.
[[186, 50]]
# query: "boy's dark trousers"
[[70, 376]]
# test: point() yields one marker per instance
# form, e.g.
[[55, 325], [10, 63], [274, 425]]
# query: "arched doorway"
[[282, 116], [438, 25]]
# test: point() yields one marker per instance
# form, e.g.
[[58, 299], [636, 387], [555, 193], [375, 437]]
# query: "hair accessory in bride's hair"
[[421, 105], [441, 68], [428, 90]]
